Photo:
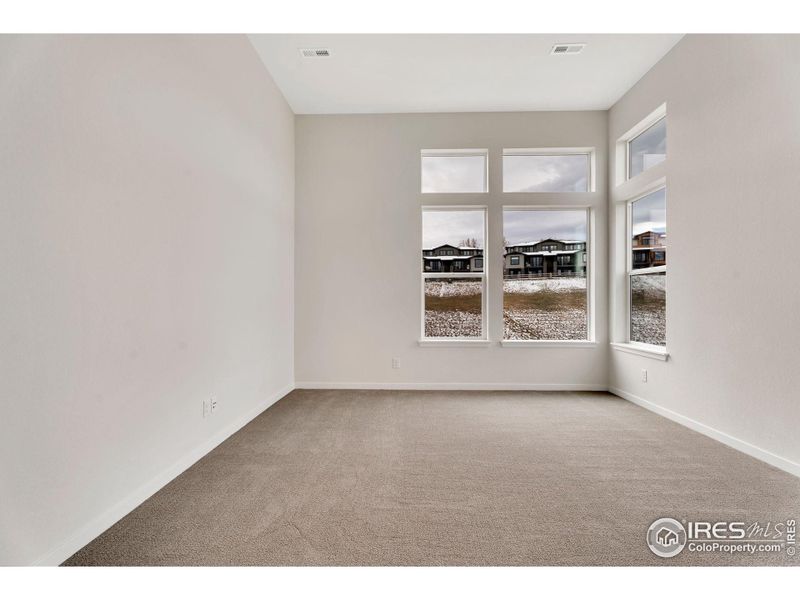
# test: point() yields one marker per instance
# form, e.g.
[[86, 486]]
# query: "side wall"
[[733, 143], [359, 240], [143, 179]]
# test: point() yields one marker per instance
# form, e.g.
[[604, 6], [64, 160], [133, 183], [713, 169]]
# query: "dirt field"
[[545, 309], [453, 308]]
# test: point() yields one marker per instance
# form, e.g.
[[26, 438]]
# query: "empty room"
[[399, 299]]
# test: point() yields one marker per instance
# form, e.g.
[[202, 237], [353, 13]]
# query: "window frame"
[[455, 153], [591, 317], [582, 151], [483, 276], [660, 184]]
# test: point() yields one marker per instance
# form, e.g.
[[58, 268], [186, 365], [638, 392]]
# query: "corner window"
[[454, 171], [545, 295], [647, 269], [648, 148], [544, 170], [454, 283]]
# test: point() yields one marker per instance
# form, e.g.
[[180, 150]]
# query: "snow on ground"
[[444, 288], [534, 324], [452, 323], [556, 284], [649, 326]]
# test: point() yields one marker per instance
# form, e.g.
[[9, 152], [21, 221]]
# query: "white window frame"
[[591, 340], [456, 153], [654, 349], [584, 151], [483, 276]]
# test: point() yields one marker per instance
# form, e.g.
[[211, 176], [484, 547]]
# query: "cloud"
[[451, 227], [532, 173], [533, 225], [650, 213]]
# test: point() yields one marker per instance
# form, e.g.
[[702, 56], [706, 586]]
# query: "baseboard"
[[360, 385], [98, 525], [779, 462]]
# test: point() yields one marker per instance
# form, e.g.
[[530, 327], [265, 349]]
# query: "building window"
[[648, 148], [546, 303], [454, 171], [647, 270], [547, 170], [515, 260], [453, 304]]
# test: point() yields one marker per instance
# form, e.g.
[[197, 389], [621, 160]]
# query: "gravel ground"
[[452, 323], [533, 324]]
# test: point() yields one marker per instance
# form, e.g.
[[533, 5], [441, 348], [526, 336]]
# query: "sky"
[[451, 227], [534, 225], [564, 173], [453, 174], [650, 213]]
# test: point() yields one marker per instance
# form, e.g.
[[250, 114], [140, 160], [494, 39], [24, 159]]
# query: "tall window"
[[454, 171], [550, 170], [544, 287], [647, 268], [453, 274]]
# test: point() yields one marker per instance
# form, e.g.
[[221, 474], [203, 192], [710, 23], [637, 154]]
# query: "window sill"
[[658, 354], [548, 344], [454, 343]]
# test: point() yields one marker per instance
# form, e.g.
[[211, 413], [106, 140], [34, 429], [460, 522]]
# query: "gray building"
[[546, 257]]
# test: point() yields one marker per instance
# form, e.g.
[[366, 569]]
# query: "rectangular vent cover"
[[567, 48], [315, 52]]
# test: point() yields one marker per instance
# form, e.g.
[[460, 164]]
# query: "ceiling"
[[385, 73]]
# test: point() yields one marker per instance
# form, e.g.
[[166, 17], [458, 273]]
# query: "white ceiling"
[[383, 73]]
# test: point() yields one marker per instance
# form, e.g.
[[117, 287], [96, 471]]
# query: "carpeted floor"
[[447, 478]]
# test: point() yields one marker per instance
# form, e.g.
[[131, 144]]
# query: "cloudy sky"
[[451, 227], [453, 174], [650, 213], [534, 225], [566, 173]]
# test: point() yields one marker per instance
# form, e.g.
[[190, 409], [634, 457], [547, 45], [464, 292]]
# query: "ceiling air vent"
[[315, 52], [567, 48]]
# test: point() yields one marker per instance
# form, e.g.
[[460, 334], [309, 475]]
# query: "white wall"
[[143, 181], [733, 144], [358, 244]]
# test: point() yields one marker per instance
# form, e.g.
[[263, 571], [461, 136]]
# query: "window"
[[647, 269], [454, 171], [452, 290], [648, 148], [547, 298], [515, 260], [551, 170]]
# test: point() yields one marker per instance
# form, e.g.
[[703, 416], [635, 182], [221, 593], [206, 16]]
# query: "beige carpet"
[[447, 478]]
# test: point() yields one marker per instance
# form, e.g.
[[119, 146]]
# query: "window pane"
[[452, 241], [453, 174], [649, 309], [453, 307], [649, 230], [544, 275], [648, 148], [541, 173]]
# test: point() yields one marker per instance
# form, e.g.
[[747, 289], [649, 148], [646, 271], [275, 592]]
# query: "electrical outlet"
[[214, 405], [644, 375], [395, 363]]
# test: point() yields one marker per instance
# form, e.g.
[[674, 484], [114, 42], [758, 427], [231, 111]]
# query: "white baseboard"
[[360, 385], [766, 456], [99, 524]]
